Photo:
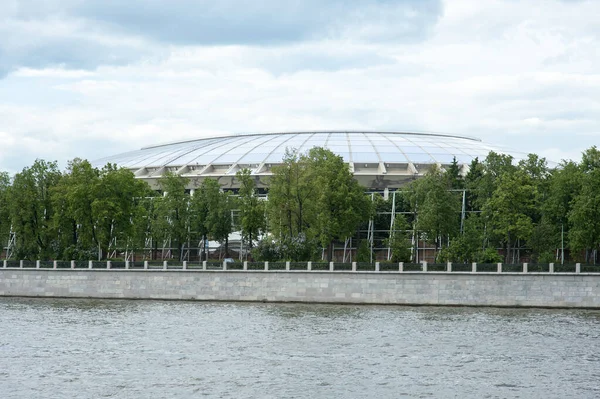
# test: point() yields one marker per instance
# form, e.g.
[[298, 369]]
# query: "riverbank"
[[552, 290]]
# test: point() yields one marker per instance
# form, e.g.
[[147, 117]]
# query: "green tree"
[[31, 210], [339, 202], [290, 190], [437, 207], [4, 211], [217, 205], [584, 232], [171, 219], [508, 211], [399, 241], [252, 209]]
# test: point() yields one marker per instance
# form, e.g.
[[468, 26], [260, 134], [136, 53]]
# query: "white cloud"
[[518, 74]]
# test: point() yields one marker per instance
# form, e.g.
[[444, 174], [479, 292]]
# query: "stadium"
[[378, 160]]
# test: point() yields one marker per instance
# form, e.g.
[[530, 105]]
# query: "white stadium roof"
[[377, 159]]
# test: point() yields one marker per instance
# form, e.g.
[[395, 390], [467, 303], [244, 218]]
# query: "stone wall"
[[481, 289]]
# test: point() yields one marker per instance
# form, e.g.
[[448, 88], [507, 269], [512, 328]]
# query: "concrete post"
[[499, 267], [425, 266], [525, 267], [164, 265], [146, 264], [267, 265], [224, 265], [184, 265], [126, 264], [108, 264], [376, 266], [21, 264], [203, 265], [353, 266], [245, 265], [577, 267], [551, 268], [37, 264], [449, 268], [4, 263], [309, 266], [401, 267], [287, 265], [90, 264], [474, 267], [330, 266]]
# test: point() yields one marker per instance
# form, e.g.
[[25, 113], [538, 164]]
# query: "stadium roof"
[[377, 159]]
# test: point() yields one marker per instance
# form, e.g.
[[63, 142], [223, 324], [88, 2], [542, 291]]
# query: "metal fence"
[[354, 267]]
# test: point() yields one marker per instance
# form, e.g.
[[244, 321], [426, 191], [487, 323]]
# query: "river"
[[73, 348]]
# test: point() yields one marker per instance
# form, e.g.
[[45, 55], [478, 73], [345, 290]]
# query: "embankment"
[[407, 288]]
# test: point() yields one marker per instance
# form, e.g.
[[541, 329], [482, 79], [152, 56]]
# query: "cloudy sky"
[[92, 78]]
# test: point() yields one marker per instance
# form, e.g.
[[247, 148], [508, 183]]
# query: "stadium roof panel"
[[367, 152]]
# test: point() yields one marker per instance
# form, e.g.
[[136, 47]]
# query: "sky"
[[93, 78]]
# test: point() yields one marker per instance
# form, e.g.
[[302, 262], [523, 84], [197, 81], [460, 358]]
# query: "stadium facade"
[[378, 160]]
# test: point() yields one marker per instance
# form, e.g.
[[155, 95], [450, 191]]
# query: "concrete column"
[[4, 263], [146, 264], [164, 265], [126, 264], [309, 266], [287, 265], [449, 268], [245, 265], [474, 267], [21, 264], [353, 266], [330, 266], [376, 266], [551, 268], [499, 267], [90, 264], [108, 264], [525, 267], [224, 265], [401, 267], [37, 264], [577, 267], [266, 265], [185, 265], [424, 265], [203, 265]]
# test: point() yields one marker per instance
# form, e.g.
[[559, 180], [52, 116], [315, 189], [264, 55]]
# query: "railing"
[[354, 267]]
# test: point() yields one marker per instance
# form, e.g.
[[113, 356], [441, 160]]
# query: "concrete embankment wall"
[[469, 289]]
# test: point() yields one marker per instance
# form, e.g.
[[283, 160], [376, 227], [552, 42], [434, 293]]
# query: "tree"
[[437, 208], [508, 211], [171, 221], [289, 206], [116, 208], [340, 203], [31, 210], [399, 242], [4, 209], [215, 207], [252, 209], [584, 233]]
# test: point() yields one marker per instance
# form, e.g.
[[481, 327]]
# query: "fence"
[[354, 267]]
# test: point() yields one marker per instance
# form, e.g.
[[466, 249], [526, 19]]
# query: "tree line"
[[501, 210]]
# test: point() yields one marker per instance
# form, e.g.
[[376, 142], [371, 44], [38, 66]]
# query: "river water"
[[64, 348]]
